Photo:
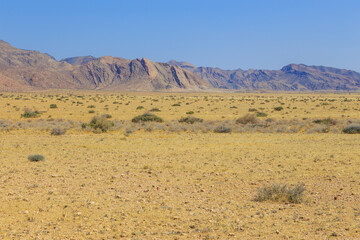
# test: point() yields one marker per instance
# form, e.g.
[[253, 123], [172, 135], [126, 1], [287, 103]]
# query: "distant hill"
[[293, 77], [23, 70], [78, 60], [32, 70]]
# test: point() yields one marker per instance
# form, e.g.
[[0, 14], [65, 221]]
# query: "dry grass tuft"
[[58, 131], [281, 193], [247, 118]]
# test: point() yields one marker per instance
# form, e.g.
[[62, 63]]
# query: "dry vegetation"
[[190, 166]]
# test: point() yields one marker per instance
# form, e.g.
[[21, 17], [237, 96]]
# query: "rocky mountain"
[[293, 77], [78, 60], [32, 70]]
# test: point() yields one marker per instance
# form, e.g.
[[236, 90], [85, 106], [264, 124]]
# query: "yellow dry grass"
[[163, 185]]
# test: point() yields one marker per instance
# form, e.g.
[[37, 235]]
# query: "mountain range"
[[25, 70]]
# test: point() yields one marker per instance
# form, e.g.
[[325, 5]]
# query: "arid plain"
[[178, 180]]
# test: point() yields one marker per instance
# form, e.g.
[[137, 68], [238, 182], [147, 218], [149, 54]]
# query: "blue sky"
[[229, 34]]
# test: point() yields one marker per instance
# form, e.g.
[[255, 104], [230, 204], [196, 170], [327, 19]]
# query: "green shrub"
[[278, 108], [139, 108], [222, 129], [36, 158], [147, 117], [252, 110], [176, 105], [30, 114], [53, 106], [190, 112], [154, 110], [352, 129], [261, 114], [58, 131], [326, 121], [106, 115], [91, 111], [100, 124], [91, 106], [247, 118], [190, 120], [281, 193]]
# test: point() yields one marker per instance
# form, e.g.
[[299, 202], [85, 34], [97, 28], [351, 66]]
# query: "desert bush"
[[36, 158], [58, 131], [261, 114], [190, 120], [222, 129], [352, 129], [318, 129], [326, 121], [176, 105], [281, 193], [91, 111], [53, 106], [270, 120], [106, 115], [252, 110], [100, 124], [190, 112], [147, 117], [154, 110], [28, 113], [247, 118], [278, 108], [139, 108]]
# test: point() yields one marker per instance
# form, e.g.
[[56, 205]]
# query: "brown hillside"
[[32, 70]]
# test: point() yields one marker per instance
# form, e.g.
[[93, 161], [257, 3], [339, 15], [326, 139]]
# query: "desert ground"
[[171, 180]]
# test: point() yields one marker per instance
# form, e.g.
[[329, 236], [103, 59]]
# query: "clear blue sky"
[[230, 34]]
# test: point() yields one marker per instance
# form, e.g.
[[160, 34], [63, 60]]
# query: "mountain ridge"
[[292, 77], [32, 70], [23, 70]]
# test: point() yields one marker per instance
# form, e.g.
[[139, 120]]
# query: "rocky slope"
[[32, 70], [293, 77]]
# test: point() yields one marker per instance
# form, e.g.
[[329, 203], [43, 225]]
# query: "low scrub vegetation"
[[246, 119], [222, 129], [100, 124], [107, 115], [326, 121], [190, 120], [28, 113], [147, 117], [352, 129], [58, 131], [36, 158], [261, 114], [281, 193]]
